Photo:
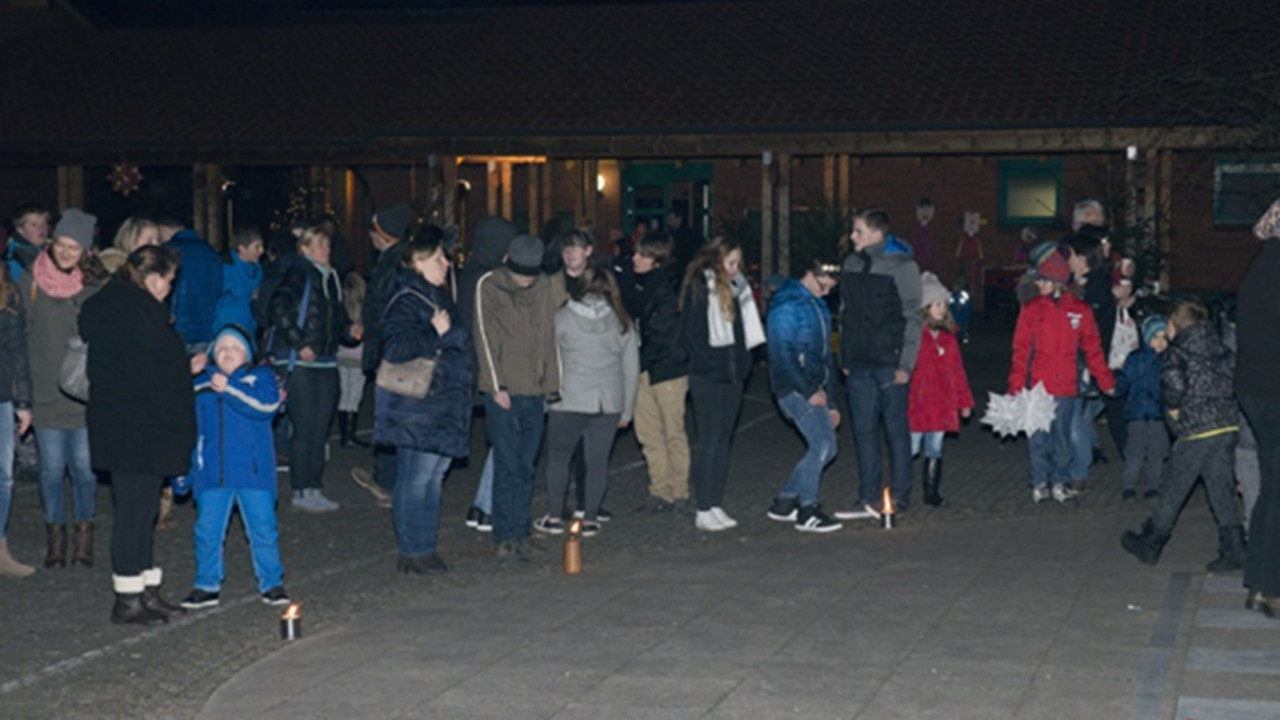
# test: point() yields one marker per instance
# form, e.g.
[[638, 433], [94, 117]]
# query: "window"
[[1030, 191], [1243, 189]]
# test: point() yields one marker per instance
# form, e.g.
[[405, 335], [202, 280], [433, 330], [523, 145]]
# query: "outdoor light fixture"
[[600, 183], [1131, 153]]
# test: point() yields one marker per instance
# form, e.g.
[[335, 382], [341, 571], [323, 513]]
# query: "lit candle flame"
[[575, 527], [292, 613], [887, 508]]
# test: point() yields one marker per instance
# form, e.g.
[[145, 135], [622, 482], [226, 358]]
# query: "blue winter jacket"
[[1140, 381], [235, 447], [800, 358], [197, 287], [440, 423], [239, 281]]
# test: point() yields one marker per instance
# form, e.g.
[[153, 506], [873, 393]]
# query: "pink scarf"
[[54, 282]]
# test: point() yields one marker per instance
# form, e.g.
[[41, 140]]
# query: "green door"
[[651, 190]]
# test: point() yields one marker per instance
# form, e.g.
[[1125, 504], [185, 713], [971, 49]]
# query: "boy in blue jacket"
[[1148, 439], [802, 372], [234, 464]]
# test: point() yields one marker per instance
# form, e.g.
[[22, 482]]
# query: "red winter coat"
[[1051, 334], [939, 387]]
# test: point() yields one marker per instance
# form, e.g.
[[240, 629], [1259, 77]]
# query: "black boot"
[[153, 601], [1146, 546], [1231, 550], [130, 610], [56, 545], [347, 431], [932, 479]]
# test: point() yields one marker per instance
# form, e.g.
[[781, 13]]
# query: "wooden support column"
[[449, 173], [1164, 222], [766, 213], [508, 210], [199, 198], [784, 214], [533, 181], [548, 191], [845, 190], [829, 189], [1150, 176], [212, 231], [492, 180], [70, 187]]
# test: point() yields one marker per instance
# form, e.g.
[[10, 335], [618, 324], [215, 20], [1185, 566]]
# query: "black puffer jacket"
[[652, 301], [729, 364], [1196, 382], [324, 323], [15, 374]]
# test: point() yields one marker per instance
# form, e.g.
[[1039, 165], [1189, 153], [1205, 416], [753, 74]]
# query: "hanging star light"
[[124, 178]]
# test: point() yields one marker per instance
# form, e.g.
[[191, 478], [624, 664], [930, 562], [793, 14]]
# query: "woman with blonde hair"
[[719, 325]]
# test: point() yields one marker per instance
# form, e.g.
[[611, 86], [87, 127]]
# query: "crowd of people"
[[233, 365]]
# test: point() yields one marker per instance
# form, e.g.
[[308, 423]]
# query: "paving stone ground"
[[990, 607]]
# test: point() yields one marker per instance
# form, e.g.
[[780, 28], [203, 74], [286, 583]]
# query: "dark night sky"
[[129, 13]]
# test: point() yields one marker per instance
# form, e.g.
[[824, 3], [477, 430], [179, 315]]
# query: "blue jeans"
[[484, 491], [1050, 454], [814, 424], [874, 397], [516, 436], [258, 512], [6, 466], [932, 442], [1084, 436], [60, 451], [415, 509]]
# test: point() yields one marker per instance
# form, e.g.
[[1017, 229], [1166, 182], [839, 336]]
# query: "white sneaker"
[[707, 520], [724, 518], [1062, 493], [865, 512], [1039, 493]]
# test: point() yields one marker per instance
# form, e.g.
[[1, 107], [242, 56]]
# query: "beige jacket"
[[515, 336]]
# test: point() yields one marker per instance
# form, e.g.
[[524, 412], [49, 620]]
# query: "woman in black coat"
[[421, 321], [140, 387]]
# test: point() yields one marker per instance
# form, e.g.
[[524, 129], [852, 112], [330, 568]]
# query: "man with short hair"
[[1088, 212], [879, 337], [196, 290], [802, 373], [518, 371], [31, 234]]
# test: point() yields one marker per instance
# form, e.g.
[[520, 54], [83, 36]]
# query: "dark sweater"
[[1258, 325]]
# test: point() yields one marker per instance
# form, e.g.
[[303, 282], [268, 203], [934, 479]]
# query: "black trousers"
[[1262, 566], [715, 412], [313, 398], [136, 499]]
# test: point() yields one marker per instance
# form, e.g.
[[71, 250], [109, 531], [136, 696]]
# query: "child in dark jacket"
[[1200, 407], [234, 464], [1147, 440]]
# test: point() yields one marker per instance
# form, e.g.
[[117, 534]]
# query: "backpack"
[[272, 275]]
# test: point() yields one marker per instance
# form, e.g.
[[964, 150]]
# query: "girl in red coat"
[[939, 388], [1054, 329]]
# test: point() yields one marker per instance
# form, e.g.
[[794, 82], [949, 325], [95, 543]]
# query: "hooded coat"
[[235, 447], [880, 307], [1048, 341], [800, 357], [653, 301], [240, 280], [939, 386], [601, 364], [489, 245], [440, 423]]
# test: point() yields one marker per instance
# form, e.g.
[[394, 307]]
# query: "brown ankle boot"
[[56, 541], [165, 520], [83, 543]]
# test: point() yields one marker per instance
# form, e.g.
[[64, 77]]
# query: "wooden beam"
[[212, 231], [508, 210], [845, 190], [1166, 214], [449, 175], [548, 192], [70, 186], [784, 214], [492, 180], [532, 181], [829, 189], [766, 214]]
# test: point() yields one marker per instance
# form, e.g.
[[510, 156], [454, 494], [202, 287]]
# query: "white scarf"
[[719, 329]]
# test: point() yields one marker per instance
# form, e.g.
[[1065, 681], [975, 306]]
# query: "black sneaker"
[[590, 528], [812, 519], [783, 509], [275, 596], [549, 525], [200, 599], [484, 523], [1129, 494], [655, 504], [602, 515], [473, 516]]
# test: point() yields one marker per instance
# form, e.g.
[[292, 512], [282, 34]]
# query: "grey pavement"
[[990, 607]]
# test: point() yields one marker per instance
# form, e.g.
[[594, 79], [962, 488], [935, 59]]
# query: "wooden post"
[[845, 189], [507, 208], [212, 230], [548, 191], [1165, 223], [70, 187], [198, 212], [766, 213], [492, 179], [784, 214], [449, 171], [829, 190], [533, 181]]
